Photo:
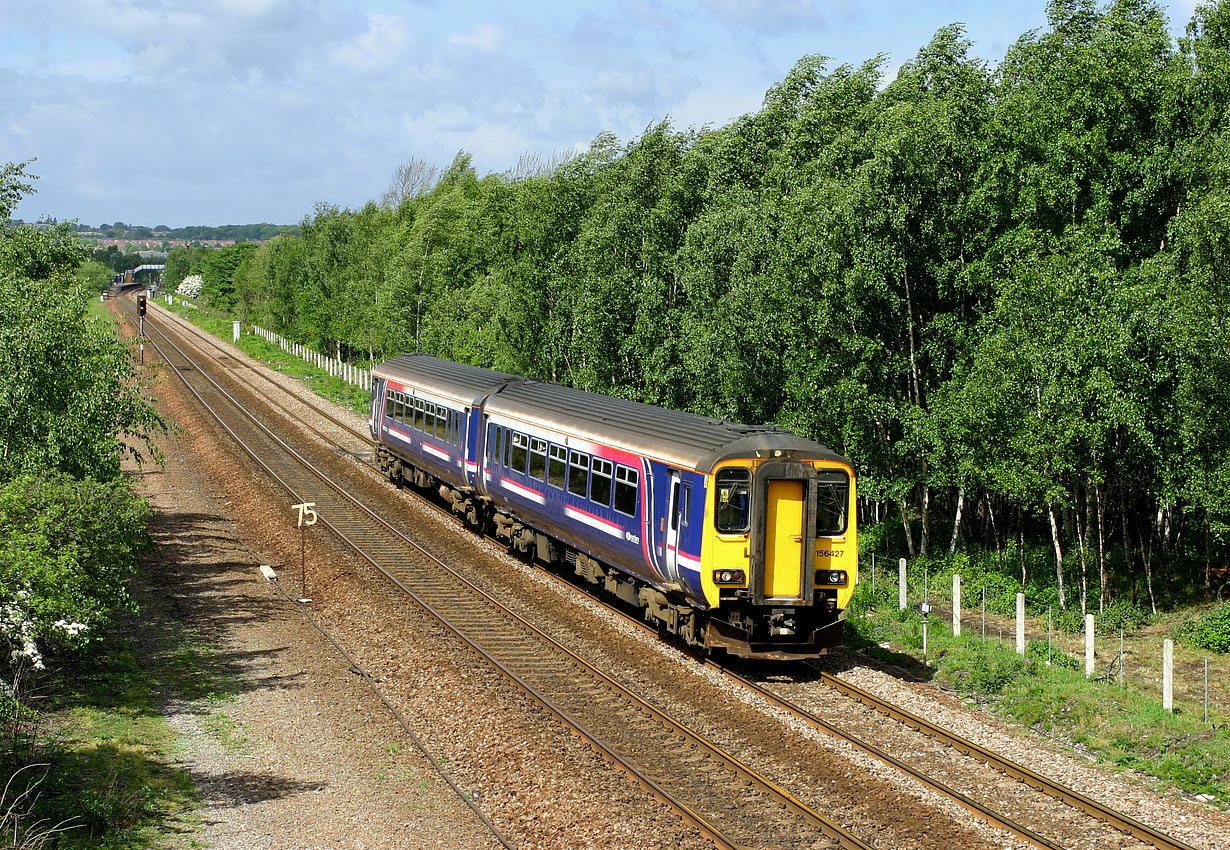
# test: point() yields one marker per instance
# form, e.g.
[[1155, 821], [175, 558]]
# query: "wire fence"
[[1198, 683]]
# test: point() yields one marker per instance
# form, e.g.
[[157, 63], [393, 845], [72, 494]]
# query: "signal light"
[[141, 304]]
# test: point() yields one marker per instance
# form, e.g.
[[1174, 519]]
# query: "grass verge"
[[95, 766], [318, 380]]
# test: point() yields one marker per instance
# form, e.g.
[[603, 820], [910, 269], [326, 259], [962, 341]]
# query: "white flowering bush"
[[191, 286], [17, 630]]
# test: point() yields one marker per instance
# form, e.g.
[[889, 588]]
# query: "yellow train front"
[[779, 559]]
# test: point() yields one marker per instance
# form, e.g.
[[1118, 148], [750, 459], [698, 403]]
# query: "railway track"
[[676, 765], [1053, 817]]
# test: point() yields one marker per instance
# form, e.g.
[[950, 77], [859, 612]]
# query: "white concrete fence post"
[[1168, 675], [1020, 624], [235, 330], [1088, 645], [901, 584], [956, 606]]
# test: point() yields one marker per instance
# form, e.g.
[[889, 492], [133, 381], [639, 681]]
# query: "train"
[[736, 539]]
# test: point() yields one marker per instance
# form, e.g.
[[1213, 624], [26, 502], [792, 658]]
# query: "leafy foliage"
[[1211, 632]]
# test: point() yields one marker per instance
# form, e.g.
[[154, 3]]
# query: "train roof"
[[681, 439], [443, 377]]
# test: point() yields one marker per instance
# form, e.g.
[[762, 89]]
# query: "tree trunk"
[[1020, 544], [1208, 559], [1103, 579], [956, 522], [905, 523], [1050, 512], [999, 550], [924, 543], [1082, 529]]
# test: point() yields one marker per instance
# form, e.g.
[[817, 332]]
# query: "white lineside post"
[[901, 584], [1088, 645], [1168, 675], [956, 605], [1020, 624], [235, 330]]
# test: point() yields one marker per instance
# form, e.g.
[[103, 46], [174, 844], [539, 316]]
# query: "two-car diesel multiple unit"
[[733, 537]]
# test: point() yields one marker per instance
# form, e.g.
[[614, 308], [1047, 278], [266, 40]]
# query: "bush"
[[1121, 615], [1210, 632]]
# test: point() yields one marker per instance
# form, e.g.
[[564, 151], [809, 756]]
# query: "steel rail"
[[362, 436], [827, 827], [1073, 798]]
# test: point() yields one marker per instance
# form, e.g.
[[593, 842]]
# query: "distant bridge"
[[154, 272]]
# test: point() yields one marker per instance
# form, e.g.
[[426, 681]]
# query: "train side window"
[[832, 498], [557, 467], [400, 412], [578, 474], [600, 482], [519, 444], [416, 413], [429, 417], [538, 458], [733, 506], [495, 444], [442, 422], [388, 404], [627, 480]]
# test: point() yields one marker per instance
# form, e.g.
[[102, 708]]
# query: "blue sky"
[[241, 111]]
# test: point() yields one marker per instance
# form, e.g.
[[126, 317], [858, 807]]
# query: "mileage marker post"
[[307, 518]]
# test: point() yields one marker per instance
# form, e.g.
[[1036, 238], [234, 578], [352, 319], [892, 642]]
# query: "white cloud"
[[485, 36]]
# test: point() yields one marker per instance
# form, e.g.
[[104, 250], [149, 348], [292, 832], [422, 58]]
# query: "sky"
[[213, 112]]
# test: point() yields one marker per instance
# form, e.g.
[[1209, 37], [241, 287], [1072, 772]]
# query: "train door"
[[783, 534], [377, 410], [784, 525], [673, 524]]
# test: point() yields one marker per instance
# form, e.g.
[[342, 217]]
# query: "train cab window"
[[519, 444], [832, 499], [578, 474], [600, 482], [557, 466], [538, 458], [733, 510], [626, 481]]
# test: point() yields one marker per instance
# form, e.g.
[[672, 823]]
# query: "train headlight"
[[729, 577], [833, 577]]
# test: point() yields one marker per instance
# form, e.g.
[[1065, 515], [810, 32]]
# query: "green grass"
[[107, 767], [1121, 725], [318, 380]]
